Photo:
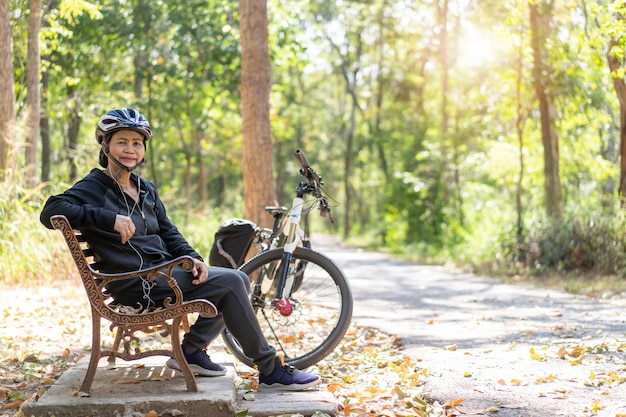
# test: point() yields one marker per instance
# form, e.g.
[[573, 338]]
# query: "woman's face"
[[127, 146]]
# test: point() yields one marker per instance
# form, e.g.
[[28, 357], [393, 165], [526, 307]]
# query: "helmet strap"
[[121, 165]]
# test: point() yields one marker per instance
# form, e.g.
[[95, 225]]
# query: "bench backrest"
[[83, 257]]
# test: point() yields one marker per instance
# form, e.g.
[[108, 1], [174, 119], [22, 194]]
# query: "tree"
[[615, 58], [258, 163], [540, 17], [349, 66], [7, 89], [33, 98]]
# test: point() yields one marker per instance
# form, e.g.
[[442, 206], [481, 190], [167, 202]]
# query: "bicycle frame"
[[293, 237]]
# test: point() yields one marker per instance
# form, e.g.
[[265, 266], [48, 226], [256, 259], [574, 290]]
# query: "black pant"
[[228, 290]]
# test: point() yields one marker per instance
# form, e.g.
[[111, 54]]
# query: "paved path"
[[504, 350]]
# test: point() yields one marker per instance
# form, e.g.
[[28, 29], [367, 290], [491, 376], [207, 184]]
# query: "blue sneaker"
[[200, 364], [287, 378]]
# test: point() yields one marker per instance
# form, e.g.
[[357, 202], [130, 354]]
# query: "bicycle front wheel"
[[321, 306]]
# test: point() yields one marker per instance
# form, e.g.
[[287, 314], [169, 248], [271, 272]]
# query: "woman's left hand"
[[200, 271]]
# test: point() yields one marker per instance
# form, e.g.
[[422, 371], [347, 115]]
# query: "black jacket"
[[91, 206]]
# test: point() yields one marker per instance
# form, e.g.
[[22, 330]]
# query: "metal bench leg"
[[95, 352], [116, 345], [177, 352]]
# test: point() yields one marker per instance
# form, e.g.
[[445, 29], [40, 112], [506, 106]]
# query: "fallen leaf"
[[11, 405], [334, 386], [453, 403], [535, 356], [597, 405], [354, 408]]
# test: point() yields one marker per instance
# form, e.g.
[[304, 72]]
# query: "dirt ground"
[[39, 339], [483, 347]]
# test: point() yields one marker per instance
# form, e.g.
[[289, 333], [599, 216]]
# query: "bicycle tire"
[[322, 301]]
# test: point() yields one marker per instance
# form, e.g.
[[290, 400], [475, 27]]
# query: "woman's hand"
[[125, 227], [200, 271]]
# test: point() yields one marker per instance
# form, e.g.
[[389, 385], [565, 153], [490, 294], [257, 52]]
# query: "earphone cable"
[[146, 285]]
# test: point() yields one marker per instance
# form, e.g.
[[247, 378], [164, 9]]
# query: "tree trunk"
[[349, 66], [141, 18], [540, 16], [7, 90], [519, 128], [348, 166], [44, 122], [259, 189], [73, 127], [33, 97], [615, 64], [202, 171], [442, 12], [44, 128]]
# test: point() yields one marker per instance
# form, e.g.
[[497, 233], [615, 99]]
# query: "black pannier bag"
[[232, 242]]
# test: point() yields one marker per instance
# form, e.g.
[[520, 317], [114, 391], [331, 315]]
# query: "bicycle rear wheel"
[[322, 306]]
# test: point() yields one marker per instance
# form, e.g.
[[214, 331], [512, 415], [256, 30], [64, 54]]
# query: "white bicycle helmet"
[[122, 118]]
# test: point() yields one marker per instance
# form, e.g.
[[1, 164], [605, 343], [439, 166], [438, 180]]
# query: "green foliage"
[[582, 242], [28, 252], [32, 254], [436, 171]]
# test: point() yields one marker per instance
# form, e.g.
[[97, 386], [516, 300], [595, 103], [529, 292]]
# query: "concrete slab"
[[305, 403], [132, 389]]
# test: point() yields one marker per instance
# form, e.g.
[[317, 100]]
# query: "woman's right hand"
[[125, 227]]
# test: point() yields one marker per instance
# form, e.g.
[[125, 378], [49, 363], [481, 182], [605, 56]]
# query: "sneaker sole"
[[197, 370], [290, 387]]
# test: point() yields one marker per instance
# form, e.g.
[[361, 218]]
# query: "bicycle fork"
[[294, 235]]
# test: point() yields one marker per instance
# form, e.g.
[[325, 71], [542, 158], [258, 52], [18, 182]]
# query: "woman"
[[126, 225]]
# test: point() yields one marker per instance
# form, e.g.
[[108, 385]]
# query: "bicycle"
[[301, 297]]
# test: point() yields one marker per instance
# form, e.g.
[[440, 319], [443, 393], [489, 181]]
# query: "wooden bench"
[[126, 321]]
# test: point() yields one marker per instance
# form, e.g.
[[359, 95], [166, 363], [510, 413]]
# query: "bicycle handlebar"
[[300, 156], [315, 182]]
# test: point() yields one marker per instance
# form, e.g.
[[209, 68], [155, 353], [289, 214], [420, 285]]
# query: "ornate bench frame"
[[125, 321]]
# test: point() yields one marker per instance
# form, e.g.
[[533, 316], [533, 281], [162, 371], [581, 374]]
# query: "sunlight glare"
[[476, 48]]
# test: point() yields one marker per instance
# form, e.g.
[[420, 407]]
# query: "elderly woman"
[[126, 225]]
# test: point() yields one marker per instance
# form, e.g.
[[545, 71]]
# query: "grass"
[[575, 283]]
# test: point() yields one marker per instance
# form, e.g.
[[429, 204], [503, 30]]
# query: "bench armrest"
[[98, 280], [163, 271]]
